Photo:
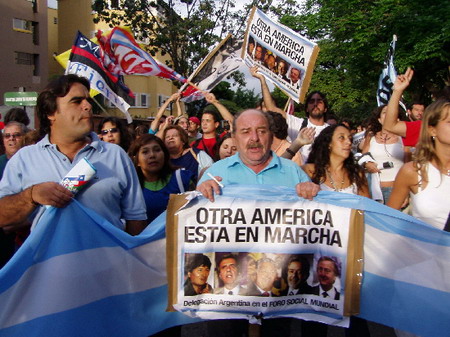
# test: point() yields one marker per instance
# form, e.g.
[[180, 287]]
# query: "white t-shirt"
[[294, 125]]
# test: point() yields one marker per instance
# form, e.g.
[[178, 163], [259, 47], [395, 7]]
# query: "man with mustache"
[[327, 271], [32, 176], [255, 163]]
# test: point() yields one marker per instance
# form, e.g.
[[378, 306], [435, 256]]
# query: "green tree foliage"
[[354, 36]]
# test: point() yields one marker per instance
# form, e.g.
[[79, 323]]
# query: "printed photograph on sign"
[[283, 56]]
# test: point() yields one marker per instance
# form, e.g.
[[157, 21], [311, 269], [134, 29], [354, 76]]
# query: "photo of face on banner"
[[197, 273], [282, 69], [270, 61], [328, 274], [260, 53], [296, 272], [295, 77], [229, 277], [250, 46]]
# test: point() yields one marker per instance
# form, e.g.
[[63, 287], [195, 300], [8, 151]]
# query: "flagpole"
[[99, 105], [287, 104]]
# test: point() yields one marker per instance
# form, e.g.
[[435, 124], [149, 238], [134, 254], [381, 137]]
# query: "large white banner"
[[284, 57], [265, 259]]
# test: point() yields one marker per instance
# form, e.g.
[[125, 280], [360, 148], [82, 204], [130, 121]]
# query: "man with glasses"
[[12, 141], [32, 176]]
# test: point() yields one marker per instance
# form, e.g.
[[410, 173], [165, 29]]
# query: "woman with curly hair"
[[331, 164], [426, 179], [157, 176], [113, 130]]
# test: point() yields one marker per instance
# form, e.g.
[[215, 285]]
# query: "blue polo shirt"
[[114, 192], [279, 171]]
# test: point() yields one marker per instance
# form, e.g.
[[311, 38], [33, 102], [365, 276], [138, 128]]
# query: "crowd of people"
[[404, 164]]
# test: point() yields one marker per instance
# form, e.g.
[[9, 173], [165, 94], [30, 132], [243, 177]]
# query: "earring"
[[433, 137]]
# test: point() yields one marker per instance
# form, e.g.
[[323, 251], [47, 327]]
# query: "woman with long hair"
[[386, 150], [113, 130], [157, 176], [331, 163], [426, 179]]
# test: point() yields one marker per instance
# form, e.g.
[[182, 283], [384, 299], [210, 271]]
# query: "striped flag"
[[387, 76], [122, 55], [78, 275], [85, 61]]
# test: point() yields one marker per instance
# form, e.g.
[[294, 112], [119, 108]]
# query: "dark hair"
[[224, 257], [332, 259], [219, 144], [320, 157], [329, 116], [212, 113], [304, 270], [310, 95], [196, 260], [167, 168], [183, 135], [125, 138], [46, 101], [17, 115], [373, 124], [279, 127], [141, 130], [410, 106]]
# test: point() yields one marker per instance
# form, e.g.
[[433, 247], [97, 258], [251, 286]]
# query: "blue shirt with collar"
[[279, 171], [114, 192]]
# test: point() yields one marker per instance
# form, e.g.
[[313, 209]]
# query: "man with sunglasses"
[[32, 176]]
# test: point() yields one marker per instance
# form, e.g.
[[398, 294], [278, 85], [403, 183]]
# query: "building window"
[[55, 21], [23, 58], [23, 26], [36, 65], [35, 26], [162, 99], [141, 100]]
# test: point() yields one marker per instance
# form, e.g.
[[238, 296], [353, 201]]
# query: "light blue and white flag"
[[77, 275], [387, 76]]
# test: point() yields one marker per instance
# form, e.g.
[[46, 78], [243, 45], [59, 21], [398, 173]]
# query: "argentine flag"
[[78, 275]]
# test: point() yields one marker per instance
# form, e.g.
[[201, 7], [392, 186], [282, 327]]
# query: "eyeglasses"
[[112, 130], [12, 135]]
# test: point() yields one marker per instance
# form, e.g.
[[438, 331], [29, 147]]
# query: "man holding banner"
[[255, 163], [65, 115]]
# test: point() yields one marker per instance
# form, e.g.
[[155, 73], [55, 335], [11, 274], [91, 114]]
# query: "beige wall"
[[54, 69]]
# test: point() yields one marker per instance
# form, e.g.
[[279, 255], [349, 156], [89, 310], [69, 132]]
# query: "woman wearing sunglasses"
[[113, 130]]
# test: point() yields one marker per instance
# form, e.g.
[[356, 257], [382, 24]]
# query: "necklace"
[[448, 173], [332, 181]]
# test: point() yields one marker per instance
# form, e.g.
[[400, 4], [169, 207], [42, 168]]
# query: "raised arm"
[[210, 98], [267, 97], [391, 122], [178, 105], [155, 123]]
